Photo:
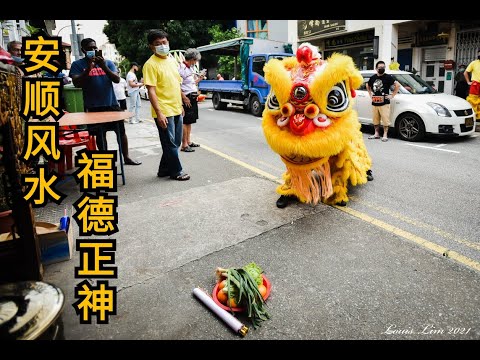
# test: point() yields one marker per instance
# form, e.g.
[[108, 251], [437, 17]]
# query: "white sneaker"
[[133, 121]]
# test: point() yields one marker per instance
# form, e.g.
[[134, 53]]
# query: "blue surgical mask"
[[162, 49], [17, 59], [90, 53]]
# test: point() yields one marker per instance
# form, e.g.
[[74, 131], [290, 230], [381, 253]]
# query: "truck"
[[251, 90]]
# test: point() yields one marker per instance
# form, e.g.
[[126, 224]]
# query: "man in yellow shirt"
[[162, 79], [474, 95]]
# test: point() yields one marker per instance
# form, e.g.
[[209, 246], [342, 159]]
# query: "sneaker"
[[133, 121]]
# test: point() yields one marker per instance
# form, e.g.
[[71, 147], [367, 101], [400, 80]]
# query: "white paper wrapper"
[[231, 321]]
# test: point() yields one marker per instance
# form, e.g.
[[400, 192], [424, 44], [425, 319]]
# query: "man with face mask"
[[133, 89], [474, 93], [189, 94], [461, 85], [94, 75], [378, 87], [163, 80]]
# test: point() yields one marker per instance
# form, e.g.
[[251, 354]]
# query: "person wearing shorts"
[[189, 96], [378, 87]]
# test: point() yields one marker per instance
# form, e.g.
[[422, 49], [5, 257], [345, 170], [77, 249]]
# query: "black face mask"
[[381, 71]]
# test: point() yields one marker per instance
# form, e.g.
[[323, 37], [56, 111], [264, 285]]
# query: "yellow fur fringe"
[[312, 182], [474, 100]]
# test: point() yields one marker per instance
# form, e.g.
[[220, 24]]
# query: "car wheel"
[[217, 103], [410, 127], [255, 106]]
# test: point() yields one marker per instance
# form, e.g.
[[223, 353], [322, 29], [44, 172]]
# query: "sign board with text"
[[309, 28]]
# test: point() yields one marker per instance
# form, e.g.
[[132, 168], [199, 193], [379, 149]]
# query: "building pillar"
[[450, 74], [388, 42]]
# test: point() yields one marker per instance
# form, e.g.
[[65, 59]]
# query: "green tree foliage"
[[226, 64], [130, 36]]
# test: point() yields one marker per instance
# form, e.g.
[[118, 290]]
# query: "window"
[[258, 64], [257, 29]]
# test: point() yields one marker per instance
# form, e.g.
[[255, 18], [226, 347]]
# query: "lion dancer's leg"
[[340, 183], [474, 100], [287, 194]]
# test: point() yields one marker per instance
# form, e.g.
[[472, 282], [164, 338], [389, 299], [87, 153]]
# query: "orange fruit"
[[232, 303], [222, 284], [263, 290], [222, 297]]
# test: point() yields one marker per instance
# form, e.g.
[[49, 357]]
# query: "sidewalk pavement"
[[333, 276]]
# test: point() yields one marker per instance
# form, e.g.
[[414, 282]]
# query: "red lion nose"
[[304, 54]]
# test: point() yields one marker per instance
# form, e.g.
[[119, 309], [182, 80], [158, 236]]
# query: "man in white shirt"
[[119, 89], [133, 88]]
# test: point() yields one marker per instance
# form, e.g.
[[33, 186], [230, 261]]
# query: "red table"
[[97, 118]]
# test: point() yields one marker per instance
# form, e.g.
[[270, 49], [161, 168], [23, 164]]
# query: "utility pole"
[[75, 44]]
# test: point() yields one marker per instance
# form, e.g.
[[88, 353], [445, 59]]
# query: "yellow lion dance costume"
[[309, 121]]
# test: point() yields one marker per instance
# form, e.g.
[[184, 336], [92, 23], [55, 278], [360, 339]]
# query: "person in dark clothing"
[[378, 87], [461, 85], [95, 75]]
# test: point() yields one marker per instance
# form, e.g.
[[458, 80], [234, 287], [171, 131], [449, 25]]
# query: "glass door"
[[433, 72]]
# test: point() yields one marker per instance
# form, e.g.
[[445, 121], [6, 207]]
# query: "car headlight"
[[440, 109]]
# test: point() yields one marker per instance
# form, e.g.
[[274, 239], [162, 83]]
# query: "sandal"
[[374, 137], [187, 149], [181, 177], [192, 144], [384, 139]]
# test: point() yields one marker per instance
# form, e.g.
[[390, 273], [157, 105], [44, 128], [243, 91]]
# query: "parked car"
[[143, 92], [418, 109]]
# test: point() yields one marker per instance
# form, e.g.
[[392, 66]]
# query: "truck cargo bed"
[[233, 86]]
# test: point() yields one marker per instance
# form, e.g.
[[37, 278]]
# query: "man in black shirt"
[[379, 90]]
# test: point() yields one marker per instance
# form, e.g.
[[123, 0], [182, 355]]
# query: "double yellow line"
[[426, 244]]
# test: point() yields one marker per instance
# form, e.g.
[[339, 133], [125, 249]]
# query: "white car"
[[143, 92], [419, 109]]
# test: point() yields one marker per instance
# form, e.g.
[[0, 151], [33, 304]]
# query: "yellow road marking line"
[[271, 166], [385, 226], [244, 164], [417, 223], [414, 238]]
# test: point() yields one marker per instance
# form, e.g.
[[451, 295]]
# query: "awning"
[[227, 47]]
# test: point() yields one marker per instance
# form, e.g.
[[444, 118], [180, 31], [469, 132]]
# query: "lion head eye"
[[272, 102], [300, 92], [337, 99]]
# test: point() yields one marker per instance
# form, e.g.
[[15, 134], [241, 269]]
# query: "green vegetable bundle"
[[242, 285]]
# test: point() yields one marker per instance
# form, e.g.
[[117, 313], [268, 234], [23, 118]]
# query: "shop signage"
[[365, 37], [430, 38], [309, 28]]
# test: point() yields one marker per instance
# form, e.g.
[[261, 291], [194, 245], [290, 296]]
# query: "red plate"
[[266, 282]]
